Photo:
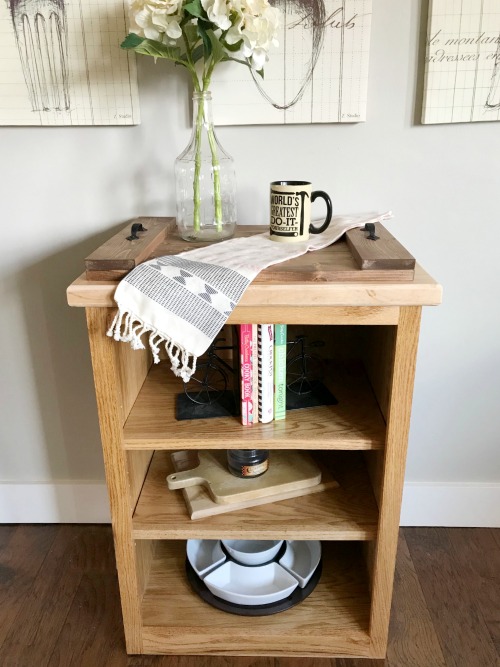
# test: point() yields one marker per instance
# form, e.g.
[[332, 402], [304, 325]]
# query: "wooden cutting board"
[[200, 504]]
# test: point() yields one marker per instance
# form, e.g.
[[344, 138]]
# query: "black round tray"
[[295, 598]]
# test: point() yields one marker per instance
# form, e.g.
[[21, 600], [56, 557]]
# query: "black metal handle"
[[136, 227], [370, 228]]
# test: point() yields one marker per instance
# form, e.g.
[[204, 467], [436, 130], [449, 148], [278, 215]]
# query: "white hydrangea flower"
[[254, 7], [218, 12], [156, 19], [256, 25]]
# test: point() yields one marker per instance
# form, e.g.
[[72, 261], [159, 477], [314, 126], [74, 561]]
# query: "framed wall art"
[[462, 72], [61, 64], [319, 73]]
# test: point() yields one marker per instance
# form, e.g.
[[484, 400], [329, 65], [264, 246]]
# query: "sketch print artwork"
[[462, 74], [319, 73], [60, 64], [41, 29]]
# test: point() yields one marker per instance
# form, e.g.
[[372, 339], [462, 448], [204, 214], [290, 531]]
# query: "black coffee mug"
[[290, 220]]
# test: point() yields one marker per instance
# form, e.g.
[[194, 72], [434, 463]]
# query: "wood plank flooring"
[[59, 603]]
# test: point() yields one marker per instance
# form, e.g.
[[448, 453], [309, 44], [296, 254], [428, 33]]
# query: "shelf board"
[[346, 512], [355, 423], [333, 620]]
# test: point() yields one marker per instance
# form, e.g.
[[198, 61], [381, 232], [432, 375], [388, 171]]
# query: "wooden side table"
[[371, 329]]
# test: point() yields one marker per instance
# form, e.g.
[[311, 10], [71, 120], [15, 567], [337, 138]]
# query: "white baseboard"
[[424, 504], [457, 505], [61, 502]]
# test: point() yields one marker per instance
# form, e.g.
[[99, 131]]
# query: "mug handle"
[[328, 201]]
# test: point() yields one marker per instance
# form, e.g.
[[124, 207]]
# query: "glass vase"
[[205, 181]]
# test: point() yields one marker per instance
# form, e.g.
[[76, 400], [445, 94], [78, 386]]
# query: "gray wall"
[[64, 190]]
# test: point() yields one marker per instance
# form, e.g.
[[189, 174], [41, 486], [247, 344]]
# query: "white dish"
[[250, 585], [252, 552], [204, 556], [301, 558]]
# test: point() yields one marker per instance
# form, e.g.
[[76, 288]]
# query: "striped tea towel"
[[182, 301]]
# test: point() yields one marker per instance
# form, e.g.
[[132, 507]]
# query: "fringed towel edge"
[[129, 328]]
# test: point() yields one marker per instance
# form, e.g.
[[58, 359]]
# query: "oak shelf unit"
[[355, 423], [371, 328], [346, 512], [333, 620]]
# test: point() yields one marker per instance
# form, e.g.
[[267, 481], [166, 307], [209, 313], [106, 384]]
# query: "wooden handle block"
[[386, 253], [118, 256]]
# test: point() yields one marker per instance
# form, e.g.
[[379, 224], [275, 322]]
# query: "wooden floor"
[[59, 603]]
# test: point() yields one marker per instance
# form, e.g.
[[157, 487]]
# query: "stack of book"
[[262, 349]]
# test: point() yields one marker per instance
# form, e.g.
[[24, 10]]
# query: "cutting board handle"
[[181, 480]]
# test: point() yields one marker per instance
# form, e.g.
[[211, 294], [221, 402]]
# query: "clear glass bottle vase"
[[205, 181]]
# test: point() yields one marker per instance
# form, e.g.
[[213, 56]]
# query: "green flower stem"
[[197, 167], [215, 159], [216, 173], [197, 160]]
